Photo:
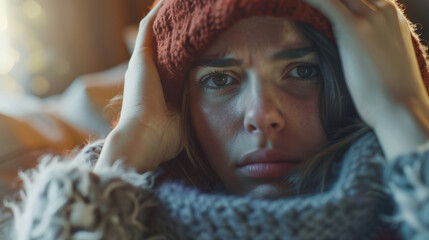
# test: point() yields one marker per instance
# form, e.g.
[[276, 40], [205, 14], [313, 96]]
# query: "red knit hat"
[[185, 28]]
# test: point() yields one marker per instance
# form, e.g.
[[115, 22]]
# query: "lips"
[[267, 163]]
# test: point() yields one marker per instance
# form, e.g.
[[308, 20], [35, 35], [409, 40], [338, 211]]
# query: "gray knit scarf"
[[66, 200]]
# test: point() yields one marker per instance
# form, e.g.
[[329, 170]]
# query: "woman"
[[281, 141]]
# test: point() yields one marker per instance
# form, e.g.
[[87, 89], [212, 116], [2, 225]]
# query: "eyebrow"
[[217, 63], [231, 62], [293, 53]]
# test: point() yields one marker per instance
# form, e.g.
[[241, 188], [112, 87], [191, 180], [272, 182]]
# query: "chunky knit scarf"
[[66, 200]]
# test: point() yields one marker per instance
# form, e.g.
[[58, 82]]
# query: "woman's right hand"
[[148, 132]]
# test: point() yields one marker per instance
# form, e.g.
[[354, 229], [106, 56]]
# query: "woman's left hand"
[[381, 69]]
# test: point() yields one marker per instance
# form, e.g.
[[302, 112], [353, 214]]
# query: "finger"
[[142, 78], [386, 7], [360, 7], [141, 83], [381, 3], [393, 13], [145, 33], [335, 10], [389, 10]]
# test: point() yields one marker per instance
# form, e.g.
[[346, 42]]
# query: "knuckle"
[[388, 7], [403, 20]]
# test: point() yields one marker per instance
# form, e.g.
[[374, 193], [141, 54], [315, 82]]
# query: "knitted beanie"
[[184, 29]]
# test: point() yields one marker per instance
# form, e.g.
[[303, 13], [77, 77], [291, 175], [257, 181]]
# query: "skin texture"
[[147, 129], [381, 73], [381, 70], [262, 102]]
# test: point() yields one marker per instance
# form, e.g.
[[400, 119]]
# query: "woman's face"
[[254, 105]]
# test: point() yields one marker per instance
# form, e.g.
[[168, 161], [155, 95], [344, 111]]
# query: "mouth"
[[267, 164]]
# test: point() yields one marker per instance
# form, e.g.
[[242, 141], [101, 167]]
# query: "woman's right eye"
[[217, 80]]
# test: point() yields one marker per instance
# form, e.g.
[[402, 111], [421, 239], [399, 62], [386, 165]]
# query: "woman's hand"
[[148, 132], [381, 70]]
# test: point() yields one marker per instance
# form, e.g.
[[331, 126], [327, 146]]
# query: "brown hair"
[[339, 118]]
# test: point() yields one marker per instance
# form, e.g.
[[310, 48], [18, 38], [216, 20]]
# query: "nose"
[[263, 115]]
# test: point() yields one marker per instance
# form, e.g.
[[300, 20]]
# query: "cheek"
[[215, 126], [306, 123], [307, 113]]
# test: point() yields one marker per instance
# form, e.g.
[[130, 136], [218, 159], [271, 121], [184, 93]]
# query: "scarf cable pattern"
[[64, 199]]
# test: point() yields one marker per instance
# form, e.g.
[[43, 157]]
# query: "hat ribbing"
[[184, 29]]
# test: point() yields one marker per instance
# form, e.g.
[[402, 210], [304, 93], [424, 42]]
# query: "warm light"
[[7, 55], [40, 85], [37, 61], [8, 58], [7, 84], [32, 9], [3, 16], [22, 55]]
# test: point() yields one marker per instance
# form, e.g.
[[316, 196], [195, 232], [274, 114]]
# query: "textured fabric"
[[65, 200], [6, 227], [184, 29], [408, 178], [353, 209]]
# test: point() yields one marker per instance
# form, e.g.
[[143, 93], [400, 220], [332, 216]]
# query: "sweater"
[[65, 199]]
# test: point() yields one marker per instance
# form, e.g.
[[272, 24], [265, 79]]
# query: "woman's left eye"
[[304, 72]]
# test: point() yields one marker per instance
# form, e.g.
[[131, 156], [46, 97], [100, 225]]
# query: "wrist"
[[404, 128], [132, 146]]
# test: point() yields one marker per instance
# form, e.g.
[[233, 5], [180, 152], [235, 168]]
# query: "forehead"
[[258, 33]]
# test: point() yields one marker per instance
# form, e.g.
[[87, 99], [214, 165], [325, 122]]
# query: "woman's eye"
[[305, 71], [217, 80]]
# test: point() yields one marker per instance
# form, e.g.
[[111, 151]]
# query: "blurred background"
[[45, 44]]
